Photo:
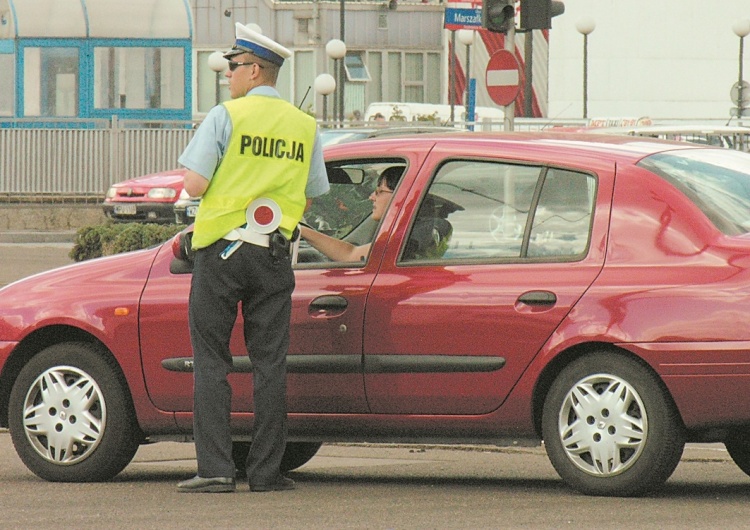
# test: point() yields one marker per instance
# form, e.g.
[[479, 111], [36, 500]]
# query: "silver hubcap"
[[64, 415], [603, 425]]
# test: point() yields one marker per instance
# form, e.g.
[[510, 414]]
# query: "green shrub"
[[115, 238]]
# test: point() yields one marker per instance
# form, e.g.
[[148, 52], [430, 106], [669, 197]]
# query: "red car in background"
[[149, 198], [589, 291]]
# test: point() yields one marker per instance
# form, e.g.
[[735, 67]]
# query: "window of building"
[[211, 87], [7, 84], [304, 77], [139, 78], [375, 86], [355, 67], [393, 83], [411, 77], [51, 81], [414, 78], [382, 21]]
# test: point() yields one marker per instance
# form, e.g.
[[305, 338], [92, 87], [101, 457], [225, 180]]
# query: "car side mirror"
[[182, 250]]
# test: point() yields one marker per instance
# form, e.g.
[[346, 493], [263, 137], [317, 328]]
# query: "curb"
[[38, 236]]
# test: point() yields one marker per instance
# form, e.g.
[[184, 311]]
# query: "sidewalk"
[[38, 236]]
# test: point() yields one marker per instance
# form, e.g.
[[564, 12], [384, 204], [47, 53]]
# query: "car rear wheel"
[[609, 427], [739, 449], [296, 455], [70, 416]]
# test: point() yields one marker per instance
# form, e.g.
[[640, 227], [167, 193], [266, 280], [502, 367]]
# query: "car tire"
[[71, 418], [739, 449], [610, 428], [296, 455]]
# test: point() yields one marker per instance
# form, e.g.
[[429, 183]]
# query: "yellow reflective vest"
[[268, 156]]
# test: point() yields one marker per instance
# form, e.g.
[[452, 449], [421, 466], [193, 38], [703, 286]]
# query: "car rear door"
[[450, 331]]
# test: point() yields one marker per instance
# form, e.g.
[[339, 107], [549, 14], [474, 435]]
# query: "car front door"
[[324, 365]]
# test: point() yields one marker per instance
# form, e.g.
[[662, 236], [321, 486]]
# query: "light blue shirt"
[[206, 149]]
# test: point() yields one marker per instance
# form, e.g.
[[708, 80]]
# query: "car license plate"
[[125, 209], [190, 211]]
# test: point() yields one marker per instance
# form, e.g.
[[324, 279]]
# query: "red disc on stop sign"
[[502, 77]]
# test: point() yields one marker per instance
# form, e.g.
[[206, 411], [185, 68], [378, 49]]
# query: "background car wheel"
[[296, 455], [609, 427], [739, 449], [70, 416]]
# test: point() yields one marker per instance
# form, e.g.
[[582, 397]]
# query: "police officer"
[[255, 160]]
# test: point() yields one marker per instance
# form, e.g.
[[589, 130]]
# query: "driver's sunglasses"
[[233, 65]]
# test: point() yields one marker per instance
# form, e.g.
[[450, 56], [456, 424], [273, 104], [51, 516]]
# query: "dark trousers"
[[263, 286]]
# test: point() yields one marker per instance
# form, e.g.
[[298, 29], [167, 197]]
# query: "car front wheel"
[[609, 427], [70, 416]]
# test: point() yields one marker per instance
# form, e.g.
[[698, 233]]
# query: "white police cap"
[[250, 41]]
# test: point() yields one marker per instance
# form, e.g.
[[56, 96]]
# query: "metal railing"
[[79, 164]]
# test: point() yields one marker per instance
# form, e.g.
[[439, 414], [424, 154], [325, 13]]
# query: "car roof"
[[628, 149]]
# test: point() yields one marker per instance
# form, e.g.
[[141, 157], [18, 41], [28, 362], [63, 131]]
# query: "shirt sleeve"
[[206, 149], [317, 180]]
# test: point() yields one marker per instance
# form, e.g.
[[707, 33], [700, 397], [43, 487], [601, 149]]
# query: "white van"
[[392, 111]]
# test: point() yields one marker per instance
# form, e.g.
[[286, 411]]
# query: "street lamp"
[[741, 28], [218, 64], [466, 37], [336, 50], [324, 84], [585, 26]]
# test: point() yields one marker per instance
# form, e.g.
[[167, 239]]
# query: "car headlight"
[[111, 192], [162, 193]]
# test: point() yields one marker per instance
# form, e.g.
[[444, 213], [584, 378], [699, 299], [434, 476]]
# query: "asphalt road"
[[377, 487], [18, 260]]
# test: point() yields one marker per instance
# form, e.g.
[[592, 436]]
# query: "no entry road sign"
[[502, 77]]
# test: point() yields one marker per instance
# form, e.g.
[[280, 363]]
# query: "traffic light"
[[537, 14], [497, 15]]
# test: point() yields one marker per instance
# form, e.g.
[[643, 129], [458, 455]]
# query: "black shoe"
[[207, 485], [281, 484]]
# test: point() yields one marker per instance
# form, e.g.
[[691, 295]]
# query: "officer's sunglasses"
[[233, 65]]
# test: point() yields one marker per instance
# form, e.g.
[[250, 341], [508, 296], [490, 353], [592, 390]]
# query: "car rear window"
[[716, 180]]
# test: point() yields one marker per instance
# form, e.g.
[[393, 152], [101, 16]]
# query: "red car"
[[148, 199], [588, 291]]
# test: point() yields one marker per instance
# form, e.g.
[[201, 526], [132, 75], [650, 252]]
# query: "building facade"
[[397, 50]]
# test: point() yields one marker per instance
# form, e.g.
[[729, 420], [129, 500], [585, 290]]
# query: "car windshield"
[[716, 180]]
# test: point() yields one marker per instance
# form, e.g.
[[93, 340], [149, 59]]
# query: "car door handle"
[[328, 304], [538, 298]]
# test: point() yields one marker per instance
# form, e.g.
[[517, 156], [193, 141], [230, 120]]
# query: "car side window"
[[562, 217], [488, 210], [345, 212]]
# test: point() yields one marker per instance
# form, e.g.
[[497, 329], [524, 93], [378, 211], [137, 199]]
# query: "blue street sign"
[[463, 18]]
